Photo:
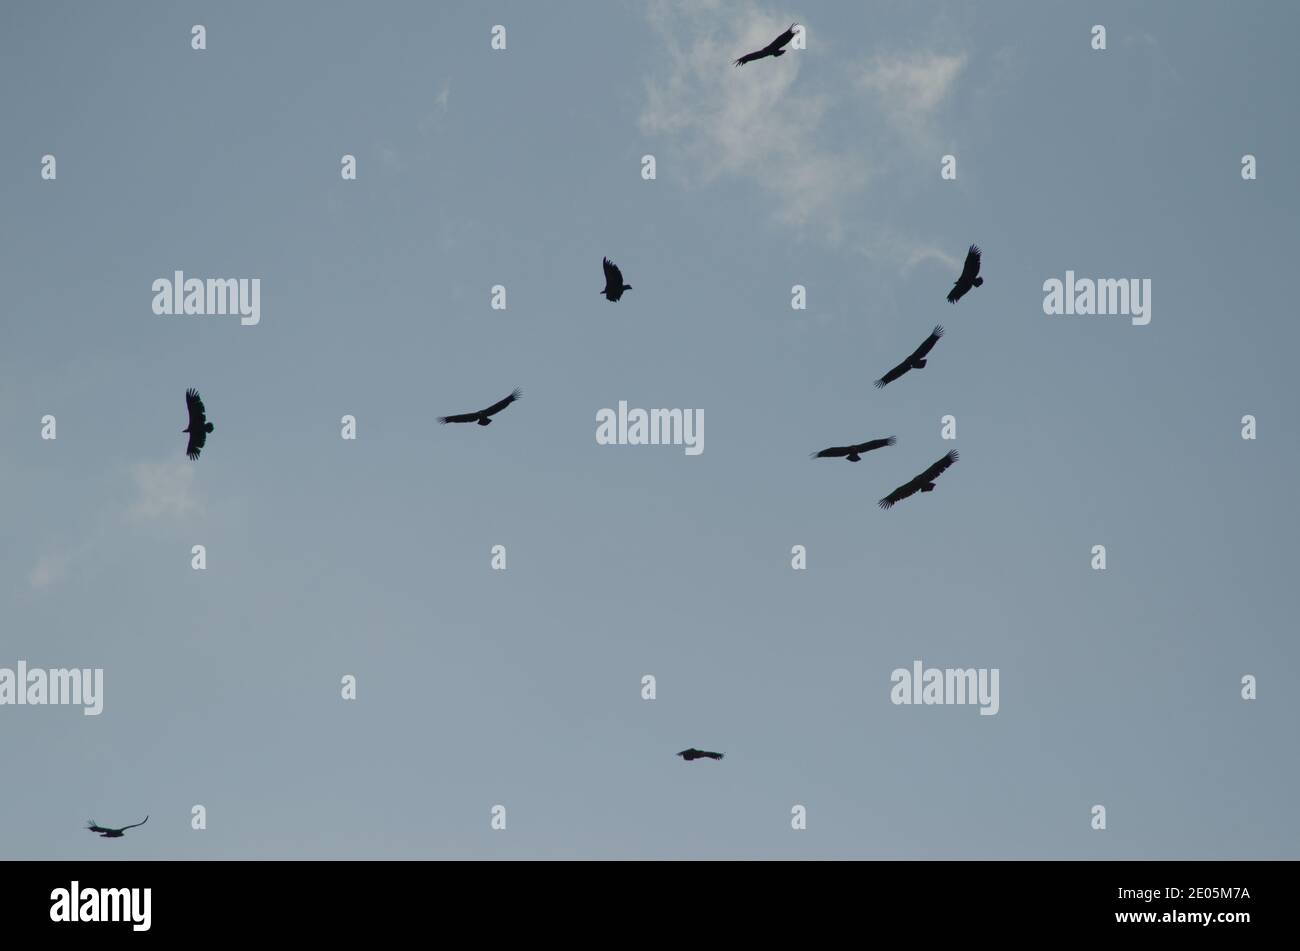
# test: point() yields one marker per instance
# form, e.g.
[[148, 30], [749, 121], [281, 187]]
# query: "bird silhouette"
[[199, 426], [113, 833], [481, 417]]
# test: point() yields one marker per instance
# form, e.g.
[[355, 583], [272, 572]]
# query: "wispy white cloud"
[[49, 569], [756, 121], [910, 87], [786, 133], [163, 490]]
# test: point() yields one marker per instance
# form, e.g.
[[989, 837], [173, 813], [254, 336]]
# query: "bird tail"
[[979, 282]]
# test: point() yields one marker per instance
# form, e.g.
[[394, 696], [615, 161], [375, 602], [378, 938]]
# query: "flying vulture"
[[481, 417], [693, 753], [771, 49], [614, 286], [113, 833], [854, 453], [969, 276], [922, 483], [915, 362], [199, 426]]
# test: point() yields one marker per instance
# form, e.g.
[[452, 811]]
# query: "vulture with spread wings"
[[693, 753], [481, 417], [771, 49], [969, 276], [854, 453], [113, 833], [914, 362], [199, 426], [614, 286], [922, 483]]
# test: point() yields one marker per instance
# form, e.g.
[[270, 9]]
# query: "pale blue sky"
[[521, 687]]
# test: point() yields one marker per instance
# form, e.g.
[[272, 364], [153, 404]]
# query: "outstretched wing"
[[198, 413], [459, 418], [871, 444], [894, 374], [832, 452], [781, 40], [502, 404], [932, 473], [613, 276], [710, 755], [970, 270], [140, 823], [96, 828], [750, 57], [908, 488], [927, 345], [198, 439]]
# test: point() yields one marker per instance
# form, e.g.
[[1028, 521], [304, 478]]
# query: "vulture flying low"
[[854, 453], [614, 286], [771, 49], [693, 753], [969, 276], [113, 833], [481, 417], [915, 362], [199, 426], [922, 483]]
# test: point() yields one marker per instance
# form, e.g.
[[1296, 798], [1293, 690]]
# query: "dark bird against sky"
[[854, 453], [199, 426], [771, 49], [481, 417], [614, 286], [914, 362], [922, 483], [969, 276], [693, 753], [113, 833]]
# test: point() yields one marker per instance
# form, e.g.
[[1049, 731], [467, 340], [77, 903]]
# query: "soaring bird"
[[199, 426], [969, 276], [113, 833], [771, 49], [922, 483], [854, 453], [693, 753], [614, 286], [481, 417], [914, 362]]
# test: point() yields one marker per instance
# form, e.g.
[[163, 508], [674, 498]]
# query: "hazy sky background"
[[522, 167]]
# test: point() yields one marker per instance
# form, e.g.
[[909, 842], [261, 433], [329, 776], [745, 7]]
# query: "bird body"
[[481, 417], [916, 361], [922, 483], [854, 453], [771, 49], [614, 286], [693, 754], [199, 426], [105, 833], [969, 276]]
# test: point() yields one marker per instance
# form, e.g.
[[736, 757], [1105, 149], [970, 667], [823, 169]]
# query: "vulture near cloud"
[[922, 483], [969, 276], [771, 49], [199, 426], [854, 453], [481, 417], [914, 362], [113, 833], [614, 286], [693, 753]]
